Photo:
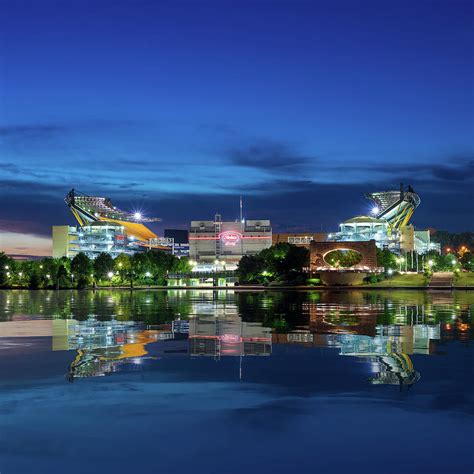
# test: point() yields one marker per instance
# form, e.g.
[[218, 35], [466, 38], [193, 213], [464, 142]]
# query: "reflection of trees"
[[268, 307]]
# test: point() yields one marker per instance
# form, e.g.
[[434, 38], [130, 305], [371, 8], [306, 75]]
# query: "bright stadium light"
[[137, 215], [375, 210]]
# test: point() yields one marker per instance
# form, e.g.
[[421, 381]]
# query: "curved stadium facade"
[[389, 223], [104, 228], [89, 209]]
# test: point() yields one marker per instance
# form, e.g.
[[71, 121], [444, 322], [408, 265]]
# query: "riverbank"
[[368, 287], [409, 281]]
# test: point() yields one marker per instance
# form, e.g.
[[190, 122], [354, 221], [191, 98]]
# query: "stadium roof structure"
[[395, 207], [90, 209], [364, 220]]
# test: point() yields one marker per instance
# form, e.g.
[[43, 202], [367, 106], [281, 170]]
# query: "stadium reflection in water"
[[236, 381], [216, 329]]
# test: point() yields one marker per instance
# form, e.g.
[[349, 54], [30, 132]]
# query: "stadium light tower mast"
[[89, 209], [396, 207]]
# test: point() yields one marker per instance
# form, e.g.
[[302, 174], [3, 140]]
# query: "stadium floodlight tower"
[[395, 207], [90, 209]]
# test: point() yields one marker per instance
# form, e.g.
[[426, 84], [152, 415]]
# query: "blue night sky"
[[177, 108]]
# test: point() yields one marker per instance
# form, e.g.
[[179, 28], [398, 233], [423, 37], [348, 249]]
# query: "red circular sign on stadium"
[[230, 237]]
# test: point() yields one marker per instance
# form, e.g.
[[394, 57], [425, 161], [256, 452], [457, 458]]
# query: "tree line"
[[147, 268], [287, 263]]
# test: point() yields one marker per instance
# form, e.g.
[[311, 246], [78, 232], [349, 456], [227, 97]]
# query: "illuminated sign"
[[230, 237]]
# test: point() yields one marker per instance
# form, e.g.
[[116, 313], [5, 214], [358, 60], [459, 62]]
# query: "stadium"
[[104, 228], [388, 225]]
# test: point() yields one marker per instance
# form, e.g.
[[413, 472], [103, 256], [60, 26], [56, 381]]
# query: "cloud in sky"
[[296, 189], [22, 243]]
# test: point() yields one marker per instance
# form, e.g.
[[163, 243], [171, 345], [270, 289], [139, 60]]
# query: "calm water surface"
[[245, 382]]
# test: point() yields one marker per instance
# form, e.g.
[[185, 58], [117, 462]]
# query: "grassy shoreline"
[[463, 281], [369, 287]]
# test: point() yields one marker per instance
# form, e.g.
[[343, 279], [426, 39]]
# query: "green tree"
[[282, 262], [103, 264], [123, 265], [181, 265], [6, 267], [81, 267], [386, 259], [467, 261], [250, 269]]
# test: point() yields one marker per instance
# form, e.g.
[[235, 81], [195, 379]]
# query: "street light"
[[148, 274], [430, 263], [390, 271]]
